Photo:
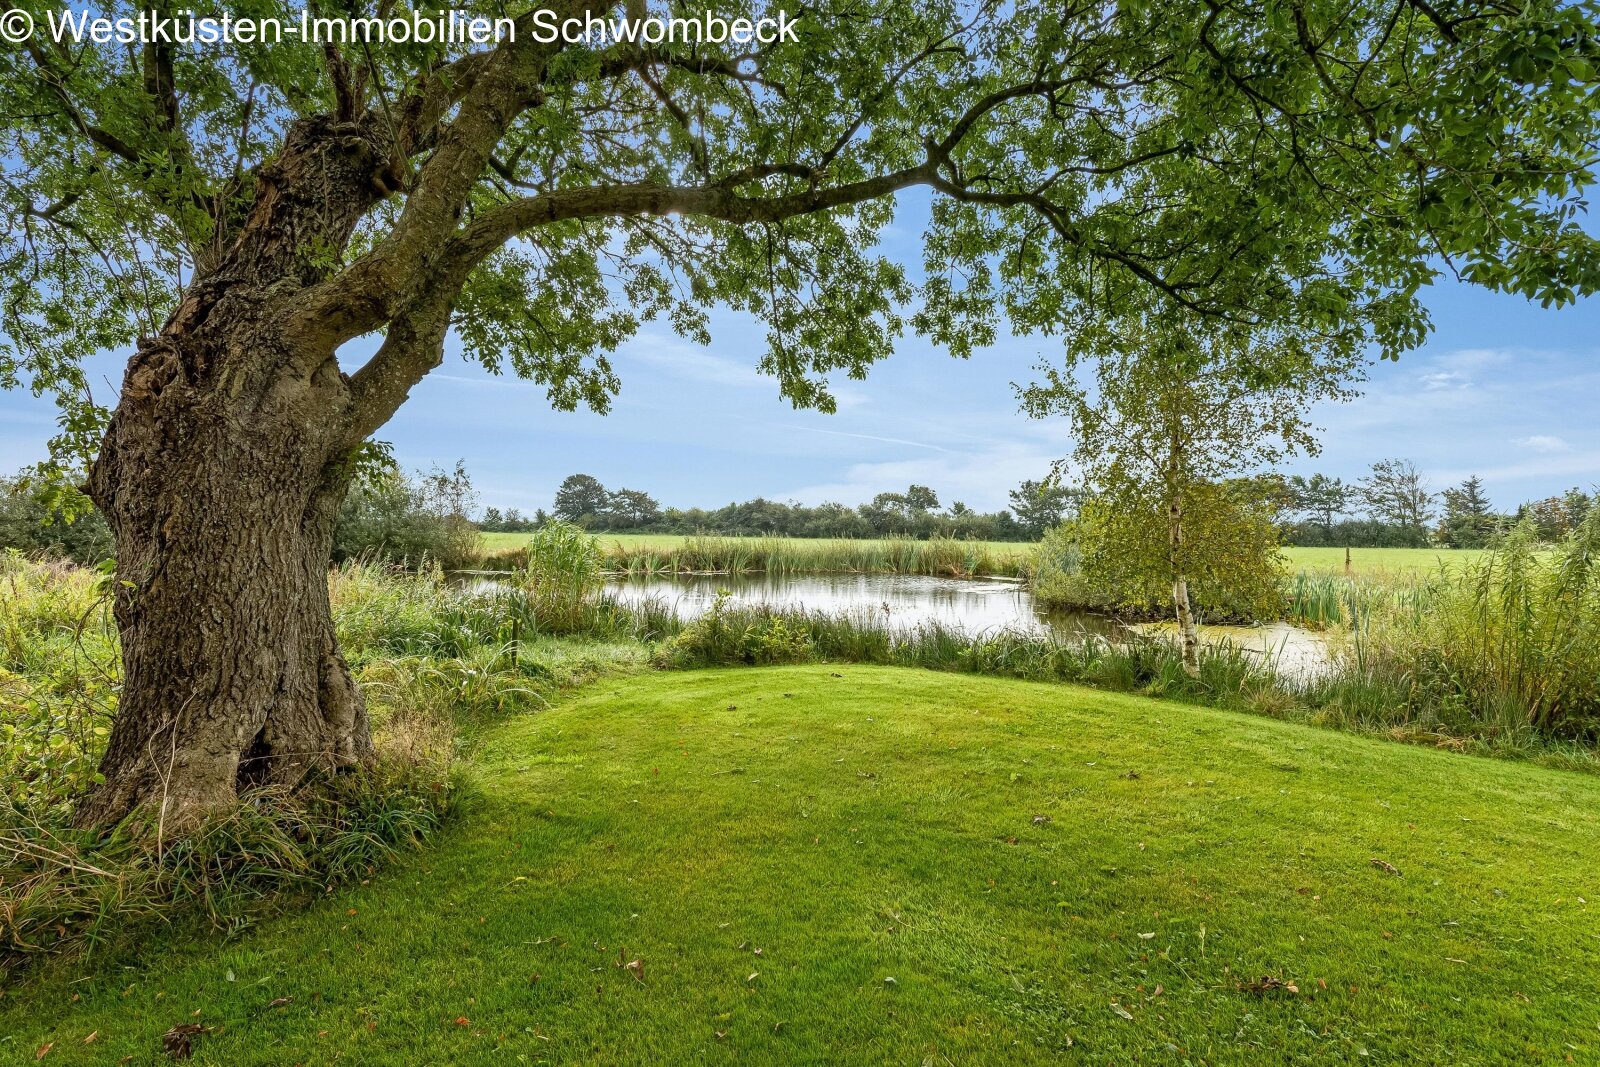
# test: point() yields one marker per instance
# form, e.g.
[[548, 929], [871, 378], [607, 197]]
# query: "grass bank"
[[849, 865], [646, 554]]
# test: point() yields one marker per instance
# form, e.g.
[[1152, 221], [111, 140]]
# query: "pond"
[[971, 605]]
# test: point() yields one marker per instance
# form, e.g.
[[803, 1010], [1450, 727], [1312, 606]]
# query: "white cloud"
[[870, 437], [979, 478], [1442, 380], [1544, 442], [681, 359]]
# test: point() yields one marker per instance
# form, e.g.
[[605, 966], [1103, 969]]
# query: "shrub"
[[33, 521], [403, 520]]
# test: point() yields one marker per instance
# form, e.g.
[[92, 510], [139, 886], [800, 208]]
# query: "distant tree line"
[[583, 499], [1393, 506], [429, 514]]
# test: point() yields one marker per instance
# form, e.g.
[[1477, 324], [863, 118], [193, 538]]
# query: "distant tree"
[[492, 520], [1037, 506], [1396, 493], [921, 498], [581, 498], [1468, 519], [634, 507], [1578, 505], [1320, 499], [1551, 518]]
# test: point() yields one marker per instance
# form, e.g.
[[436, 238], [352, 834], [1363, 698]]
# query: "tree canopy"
[[1304, 165]]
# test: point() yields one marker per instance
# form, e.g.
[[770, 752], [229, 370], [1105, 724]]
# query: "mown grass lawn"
[[870, 865]]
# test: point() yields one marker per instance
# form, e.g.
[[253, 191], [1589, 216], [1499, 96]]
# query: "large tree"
[[239, 217]]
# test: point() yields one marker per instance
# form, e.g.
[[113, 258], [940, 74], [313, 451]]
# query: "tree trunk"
[[221, 476], [1188, 632]]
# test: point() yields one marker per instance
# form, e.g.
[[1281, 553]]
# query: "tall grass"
[[1502, 644], [937, 556], [433, 660]]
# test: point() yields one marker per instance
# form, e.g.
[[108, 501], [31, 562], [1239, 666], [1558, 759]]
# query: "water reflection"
[[899, 601], [972, 606]]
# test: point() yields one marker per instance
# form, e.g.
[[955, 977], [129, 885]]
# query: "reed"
[[938, 556]]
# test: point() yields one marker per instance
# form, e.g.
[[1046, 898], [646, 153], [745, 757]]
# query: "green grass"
[[859, 824], [1365, 560], [1370, 560], [500, 542]]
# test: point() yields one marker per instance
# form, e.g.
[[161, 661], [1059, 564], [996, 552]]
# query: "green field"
[[1366, 560], [1371, 560], [870, 865], [503, 542]]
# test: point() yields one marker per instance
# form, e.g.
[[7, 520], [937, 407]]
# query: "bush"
[[727, 634], [404, 520], [33, 522], [1113, 557]]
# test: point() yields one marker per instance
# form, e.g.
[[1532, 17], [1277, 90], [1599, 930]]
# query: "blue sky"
[[1503, 389]]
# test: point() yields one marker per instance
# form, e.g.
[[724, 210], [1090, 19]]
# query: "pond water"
[[971, 605]]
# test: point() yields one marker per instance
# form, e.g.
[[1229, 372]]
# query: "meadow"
[[637, 552], [852, 864]]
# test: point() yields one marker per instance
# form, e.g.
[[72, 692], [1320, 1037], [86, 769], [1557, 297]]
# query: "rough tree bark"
[[221, 476]]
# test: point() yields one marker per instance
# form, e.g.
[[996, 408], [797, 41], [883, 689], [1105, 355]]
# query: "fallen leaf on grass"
[[179, 1041], [279, 1002], [1386, 868], [1122, 1012], [1268, 984], [44, 1050]]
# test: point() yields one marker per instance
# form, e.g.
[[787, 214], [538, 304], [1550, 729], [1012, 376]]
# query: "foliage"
[[1396, 493], [1120, 542], [1041, 505], [1175, 408], [582, 499], [560, 575], [1320, 498], [1469, 521], [1511, 639], [33, 522], [1301, 168], [727, 634], [412, 520]]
